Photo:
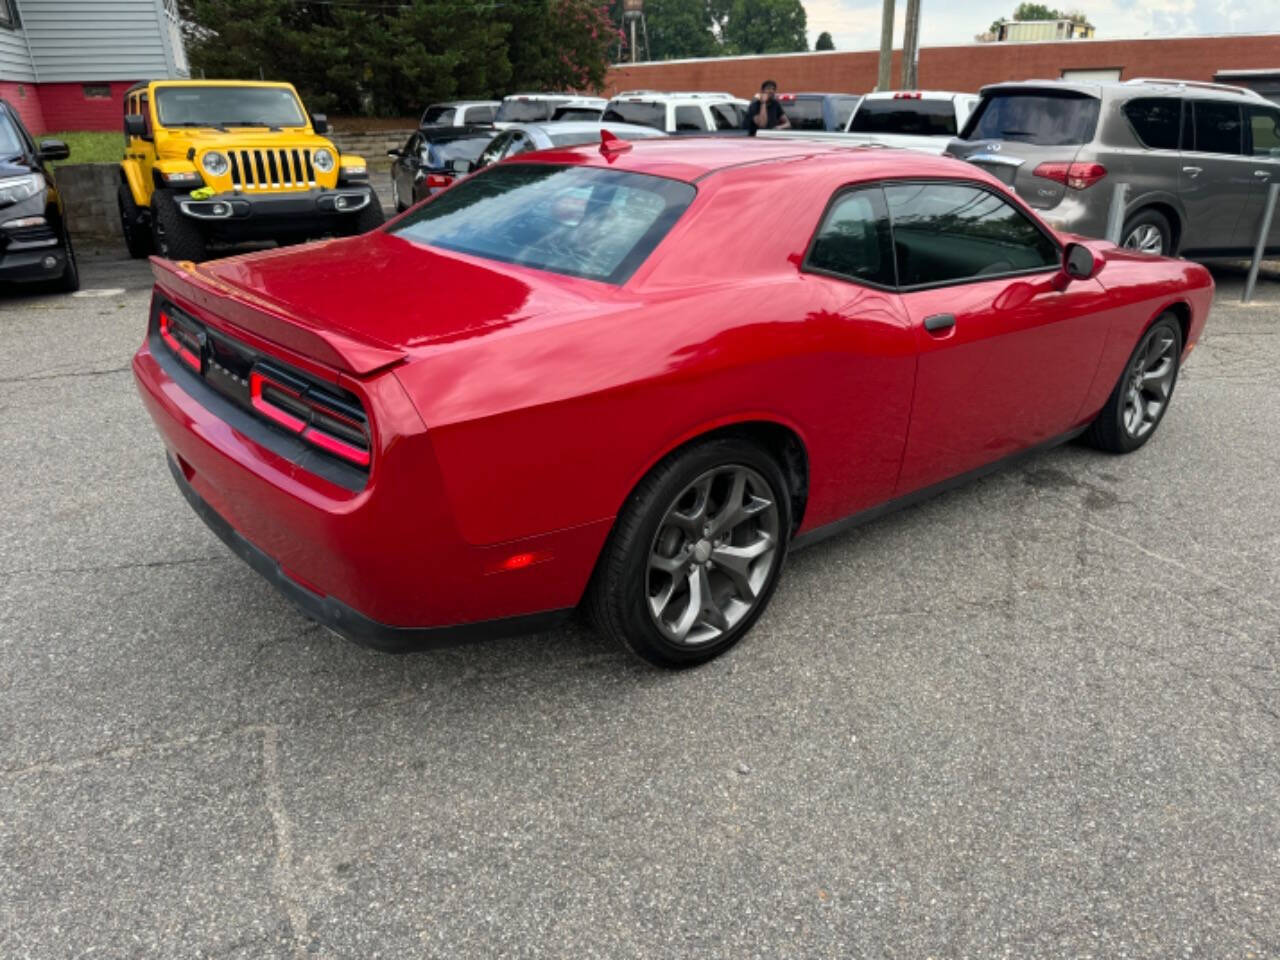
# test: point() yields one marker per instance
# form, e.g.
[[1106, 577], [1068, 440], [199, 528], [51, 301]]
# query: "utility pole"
[[911, 46], [884, 79]]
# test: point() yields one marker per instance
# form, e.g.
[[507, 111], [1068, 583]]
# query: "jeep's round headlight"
[[323, 159], [214, 163]]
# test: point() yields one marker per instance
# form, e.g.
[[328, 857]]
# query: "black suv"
[[34, 242]]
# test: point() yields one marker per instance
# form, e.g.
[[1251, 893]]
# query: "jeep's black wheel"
[[137, 236], [1142, 394], [69, 282], [369, 217], [175, 236], [694, 555]]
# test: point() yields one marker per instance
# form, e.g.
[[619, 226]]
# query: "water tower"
[[632, 14]]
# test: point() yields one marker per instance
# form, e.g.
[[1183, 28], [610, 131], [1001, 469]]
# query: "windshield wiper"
[[196, 123], [253, 123]]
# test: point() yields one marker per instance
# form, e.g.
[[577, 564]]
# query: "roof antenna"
[[611, 146]]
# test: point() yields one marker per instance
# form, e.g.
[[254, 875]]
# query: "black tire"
[[69, 282], [137, 235], [1112, 430], [369, 218], [1148, 225], [617, 601], [175, 236]]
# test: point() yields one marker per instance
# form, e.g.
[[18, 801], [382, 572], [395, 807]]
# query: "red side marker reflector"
[[518, 561]]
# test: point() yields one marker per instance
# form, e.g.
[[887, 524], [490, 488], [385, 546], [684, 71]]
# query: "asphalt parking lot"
[[1034, 717]]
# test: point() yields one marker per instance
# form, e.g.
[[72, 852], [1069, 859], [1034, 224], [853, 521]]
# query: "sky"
[[855, 24]]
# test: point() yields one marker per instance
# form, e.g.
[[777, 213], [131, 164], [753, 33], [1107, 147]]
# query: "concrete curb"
[[89, 197]]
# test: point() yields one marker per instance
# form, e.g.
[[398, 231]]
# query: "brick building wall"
[[22, 97], [962, 68]]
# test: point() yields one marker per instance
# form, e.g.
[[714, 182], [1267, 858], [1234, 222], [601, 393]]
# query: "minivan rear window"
[[578, 221], [905, 115], [523, 110], [1045, 118]]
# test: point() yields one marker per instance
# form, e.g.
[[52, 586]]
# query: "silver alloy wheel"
[[1145, 237], [1150, 381], [712, 555]]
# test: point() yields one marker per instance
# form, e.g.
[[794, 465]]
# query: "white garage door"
[[1108, 75]]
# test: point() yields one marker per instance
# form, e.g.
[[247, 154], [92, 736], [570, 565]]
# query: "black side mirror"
[[394, 152], [460, 166], [320, 123], [1078, 262], [135, 125], [54, 150]]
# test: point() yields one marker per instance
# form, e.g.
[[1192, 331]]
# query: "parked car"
[[1197, 158], [524, 137], [583, 109], [923, 120], [35, 244], [529, 107], [818, 111], [430, 160], [595, 375], [678, 112], [233, 160], [460, 113]]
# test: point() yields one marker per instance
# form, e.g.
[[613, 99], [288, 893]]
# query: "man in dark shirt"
[[765, 113]]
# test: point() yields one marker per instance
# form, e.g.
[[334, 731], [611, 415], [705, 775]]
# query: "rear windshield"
[[1047, 119], [805, 113], [925, 118], [441, 152], [578, 221], [228, 106], [844, 110], [438, 115], [646, 114], [524, 111], [586, 114]]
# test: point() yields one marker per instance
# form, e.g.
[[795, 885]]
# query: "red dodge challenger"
[[633, 376]]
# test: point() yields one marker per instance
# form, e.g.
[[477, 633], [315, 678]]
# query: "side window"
[[144, 108], [854, 240], [949, 232], [520, 143], [1218, 127], [844, 107], [725, 116], [1264, 131], [410, 149], [1157, 121], [690, 118], [494, 151], [480, 115]]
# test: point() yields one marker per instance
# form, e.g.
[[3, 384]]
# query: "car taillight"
[[908, 96], [438, 181], [181, 338], [1077, 176], [306, 409], [786, 96]]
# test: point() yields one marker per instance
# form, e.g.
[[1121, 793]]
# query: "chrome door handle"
[[1192, 171], [1262, 173]]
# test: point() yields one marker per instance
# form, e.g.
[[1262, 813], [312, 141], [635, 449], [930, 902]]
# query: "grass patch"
[[90, 146]]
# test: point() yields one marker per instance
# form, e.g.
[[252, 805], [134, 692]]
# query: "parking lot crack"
[[282, 870], [101, 567], [29, 378]]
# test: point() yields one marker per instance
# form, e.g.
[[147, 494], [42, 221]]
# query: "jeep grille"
[[283, 169]]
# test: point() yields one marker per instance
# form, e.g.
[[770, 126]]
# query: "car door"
[[1262, 130], [404, 166], [1216, 178], [1005, 350]]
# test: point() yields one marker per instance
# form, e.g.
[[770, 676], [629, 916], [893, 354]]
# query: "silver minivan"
[[1197, 158]]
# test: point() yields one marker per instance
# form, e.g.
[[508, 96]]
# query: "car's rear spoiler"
[[339, 349]]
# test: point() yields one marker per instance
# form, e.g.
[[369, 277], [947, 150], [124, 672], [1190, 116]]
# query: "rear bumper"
[[342, 619]]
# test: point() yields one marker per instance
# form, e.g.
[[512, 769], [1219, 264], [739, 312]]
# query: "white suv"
[[677, 111]]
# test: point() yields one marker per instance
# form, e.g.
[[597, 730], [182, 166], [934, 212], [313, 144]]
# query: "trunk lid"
[[364, 303]]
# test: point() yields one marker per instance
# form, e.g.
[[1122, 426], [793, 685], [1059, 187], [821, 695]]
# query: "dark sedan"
[[428, 161], [34, 243]]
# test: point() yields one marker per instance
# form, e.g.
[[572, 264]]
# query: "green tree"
[[824, 42], [679, 28], [559, 44], [763, 26]]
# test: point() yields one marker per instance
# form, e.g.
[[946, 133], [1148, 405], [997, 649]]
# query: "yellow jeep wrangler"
[[231, 161]]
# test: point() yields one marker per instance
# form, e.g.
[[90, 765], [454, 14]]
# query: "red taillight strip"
[[293, 424], [166, 334]]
